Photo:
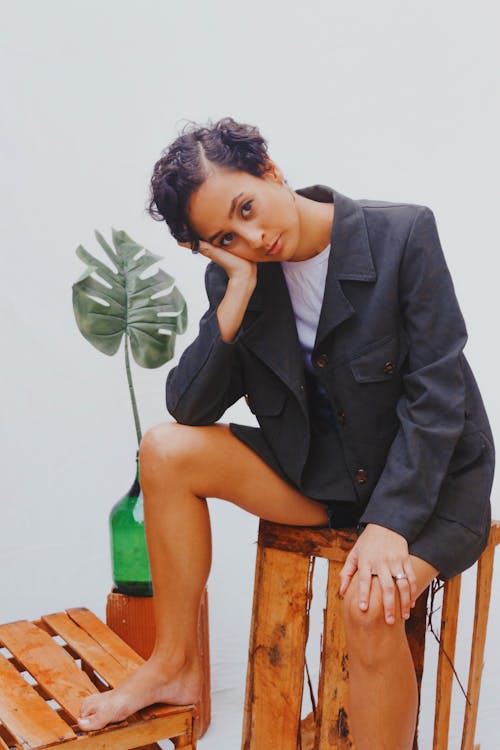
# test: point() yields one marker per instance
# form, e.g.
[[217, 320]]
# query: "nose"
[[253, 236]]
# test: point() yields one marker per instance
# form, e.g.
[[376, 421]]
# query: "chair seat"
[[49, 665]]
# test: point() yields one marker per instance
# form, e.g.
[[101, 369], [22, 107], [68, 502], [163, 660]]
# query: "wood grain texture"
[[32, 724], [484, 580], [97, 629], [136, 734], [332, 713], [87, 648], [275, 676], [50, 665], [415, 632], [444, 681], [331, 544], [18, 701], [316, 733]]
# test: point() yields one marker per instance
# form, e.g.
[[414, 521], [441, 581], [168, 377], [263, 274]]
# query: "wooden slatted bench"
[[279, 631], [49, 665]]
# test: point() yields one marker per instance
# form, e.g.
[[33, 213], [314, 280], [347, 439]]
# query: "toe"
[[89, 705], [88, 723]]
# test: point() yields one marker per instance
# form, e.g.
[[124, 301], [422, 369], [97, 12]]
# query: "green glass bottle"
[[131, 572]]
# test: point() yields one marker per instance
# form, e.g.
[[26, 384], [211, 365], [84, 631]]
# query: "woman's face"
[[250, 217]]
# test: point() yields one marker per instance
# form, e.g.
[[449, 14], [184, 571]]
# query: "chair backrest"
[[279, 631]]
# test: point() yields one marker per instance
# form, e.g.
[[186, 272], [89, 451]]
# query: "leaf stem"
[[132, 393]]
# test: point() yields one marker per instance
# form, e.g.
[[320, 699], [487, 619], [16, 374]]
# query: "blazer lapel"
[[272, 336], [270, 328], [350, 258]]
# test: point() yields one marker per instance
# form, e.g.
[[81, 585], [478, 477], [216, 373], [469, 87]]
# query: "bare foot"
[[152, 682]]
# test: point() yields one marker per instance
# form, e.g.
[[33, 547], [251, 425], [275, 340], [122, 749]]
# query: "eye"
[[245, 210]]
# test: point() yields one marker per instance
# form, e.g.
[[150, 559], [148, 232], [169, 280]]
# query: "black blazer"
[[388, 351]]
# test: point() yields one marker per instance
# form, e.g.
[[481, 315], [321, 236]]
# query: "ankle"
[[178, 658]]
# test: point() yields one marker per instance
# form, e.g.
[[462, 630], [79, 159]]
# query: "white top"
[[305, 280]]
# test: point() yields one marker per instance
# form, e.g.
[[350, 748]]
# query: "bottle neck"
[[136, 486]]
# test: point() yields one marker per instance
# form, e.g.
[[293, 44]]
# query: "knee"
[[365, 621], [368, 634], [163, 444]]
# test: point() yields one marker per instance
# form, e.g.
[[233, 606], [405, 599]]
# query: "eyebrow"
[[231, 212]]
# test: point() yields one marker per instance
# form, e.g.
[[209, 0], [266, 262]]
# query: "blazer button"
[[361, 476], [388, 368], [322, 360], [341, 417]]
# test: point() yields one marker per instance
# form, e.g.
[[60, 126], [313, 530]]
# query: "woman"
[[338, 321]]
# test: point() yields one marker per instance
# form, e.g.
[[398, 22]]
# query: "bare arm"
[[242, 280], [208, 377]]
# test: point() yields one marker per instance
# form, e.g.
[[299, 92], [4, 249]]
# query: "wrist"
[[244, 283]]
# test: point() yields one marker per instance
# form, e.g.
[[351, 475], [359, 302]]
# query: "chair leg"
[[483, 592], [332, 715], [415, 633], [275, 675], [444, 680]]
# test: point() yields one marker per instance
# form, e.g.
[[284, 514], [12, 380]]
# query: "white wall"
[[388, 100]]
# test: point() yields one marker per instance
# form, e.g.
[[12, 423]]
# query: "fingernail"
[[390, 619], [363, 605], [84, 721], [406, 615]]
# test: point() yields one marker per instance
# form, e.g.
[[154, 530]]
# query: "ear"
[[273, 172]]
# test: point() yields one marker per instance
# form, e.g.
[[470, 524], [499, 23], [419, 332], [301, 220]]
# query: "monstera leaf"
[[110, 303]]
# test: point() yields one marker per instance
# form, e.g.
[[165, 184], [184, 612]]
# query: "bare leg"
[[383, 696], [180, 466]]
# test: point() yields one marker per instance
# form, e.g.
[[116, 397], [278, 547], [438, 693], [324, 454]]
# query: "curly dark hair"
[[185, 164]]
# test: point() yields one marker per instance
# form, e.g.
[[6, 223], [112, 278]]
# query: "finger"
[[412, 581], [364, 586], [388, 593], [347, 572], [194, 245], [403, 587], [211, 251]]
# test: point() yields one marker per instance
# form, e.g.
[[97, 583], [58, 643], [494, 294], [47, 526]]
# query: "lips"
[[275, 247]]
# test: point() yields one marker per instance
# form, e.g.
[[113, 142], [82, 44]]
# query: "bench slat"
[[25, 714], [126, 656], [87, 648], [50, 665]]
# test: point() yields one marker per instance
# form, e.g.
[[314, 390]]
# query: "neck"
[[315, 222]]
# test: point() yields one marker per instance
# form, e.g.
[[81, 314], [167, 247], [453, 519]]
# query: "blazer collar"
[[350, 255], [273, 335]]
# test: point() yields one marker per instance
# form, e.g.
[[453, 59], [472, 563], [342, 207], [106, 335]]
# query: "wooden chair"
[[42, 686], [279, 630]]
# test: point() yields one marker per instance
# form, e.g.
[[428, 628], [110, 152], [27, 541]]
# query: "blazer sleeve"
[[431, 410], [208, 377]]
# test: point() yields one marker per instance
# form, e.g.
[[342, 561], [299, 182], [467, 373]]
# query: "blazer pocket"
[[266, 402], [382, 362]]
